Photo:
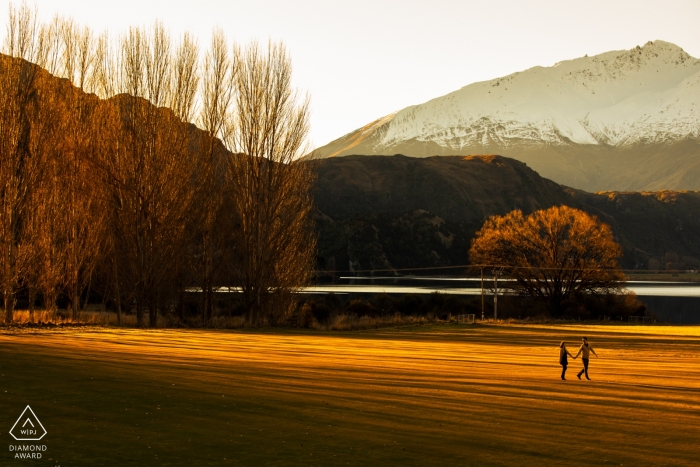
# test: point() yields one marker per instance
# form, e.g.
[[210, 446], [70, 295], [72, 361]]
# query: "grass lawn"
[[443, 395]]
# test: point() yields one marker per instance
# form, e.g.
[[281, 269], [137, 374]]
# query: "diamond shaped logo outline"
[[21, 417]]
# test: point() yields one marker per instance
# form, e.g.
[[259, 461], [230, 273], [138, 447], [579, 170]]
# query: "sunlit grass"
[[63, 317], [106, 318], [338, 322], [661, 330], [421, 395]]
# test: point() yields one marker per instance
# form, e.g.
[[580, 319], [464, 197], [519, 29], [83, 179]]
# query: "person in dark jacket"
[[563, 359]]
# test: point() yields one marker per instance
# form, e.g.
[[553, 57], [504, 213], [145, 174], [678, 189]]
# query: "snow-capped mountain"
[[615, 121]]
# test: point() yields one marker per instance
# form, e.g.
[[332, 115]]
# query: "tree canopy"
[[552, 254]]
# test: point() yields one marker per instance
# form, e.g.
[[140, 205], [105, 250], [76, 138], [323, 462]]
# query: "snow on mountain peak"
[[648, 93]]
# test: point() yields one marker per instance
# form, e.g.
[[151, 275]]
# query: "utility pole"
[[496, 273], [495, 296], [482, 294]]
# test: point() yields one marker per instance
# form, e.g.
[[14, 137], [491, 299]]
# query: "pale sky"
[[360, 60]]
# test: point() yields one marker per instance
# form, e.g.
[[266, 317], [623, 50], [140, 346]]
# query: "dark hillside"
[[658, 230], [383, 212], [463, 189]]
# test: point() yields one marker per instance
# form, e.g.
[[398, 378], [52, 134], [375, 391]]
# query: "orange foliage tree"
[[552, 254]]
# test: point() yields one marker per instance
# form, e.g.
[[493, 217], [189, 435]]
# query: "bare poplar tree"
[[270, 187], [216, 95], [20, 166], [29, 247], [149, 171], [81, 208], [105, 82], [48, 253], [125, 183]]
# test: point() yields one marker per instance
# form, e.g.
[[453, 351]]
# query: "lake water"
[[676, 302], [472, 286]]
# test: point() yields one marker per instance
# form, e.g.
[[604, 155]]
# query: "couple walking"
[[584, 351]]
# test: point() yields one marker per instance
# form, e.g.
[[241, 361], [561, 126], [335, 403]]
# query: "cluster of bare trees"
[[150, 171]]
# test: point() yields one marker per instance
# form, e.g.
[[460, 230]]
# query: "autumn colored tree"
[[213, 211], [148, 169], [23, 135], [270, 186], [42, 252], [81, 210], [552, 254], [104, 170]]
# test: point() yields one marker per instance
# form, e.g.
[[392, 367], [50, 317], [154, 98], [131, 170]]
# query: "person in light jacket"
[[563, 359], [585, 352]]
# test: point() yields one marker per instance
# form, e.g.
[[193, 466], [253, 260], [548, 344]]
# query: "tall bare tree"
[[216, 95], [21, 165], [149, 171], [124, 183], [81, 209], [46, 260], [269, 185]]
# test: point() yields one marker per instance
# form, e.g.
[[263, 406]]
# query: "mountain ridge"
[[576, 122]]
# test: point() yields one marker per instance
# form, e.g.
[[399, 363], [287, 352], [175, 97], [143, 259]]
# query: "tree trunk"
[[153, 312], [181, 305], [9, 291], [32, 298], [117, 294], [75, 301], [119, 308], [139, 313], [50, 303], [9, 299]]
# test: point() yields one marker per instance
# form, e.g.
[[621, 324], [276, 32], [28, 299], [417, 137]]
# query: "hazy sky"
[[362, 59]]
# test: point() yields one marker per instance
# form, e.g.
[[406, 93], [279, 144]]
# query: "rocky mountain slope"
[[622, 120], [403, 212]]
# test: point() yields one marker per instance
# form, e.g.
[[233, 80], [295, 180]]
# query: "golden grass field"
[[432, 395]]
